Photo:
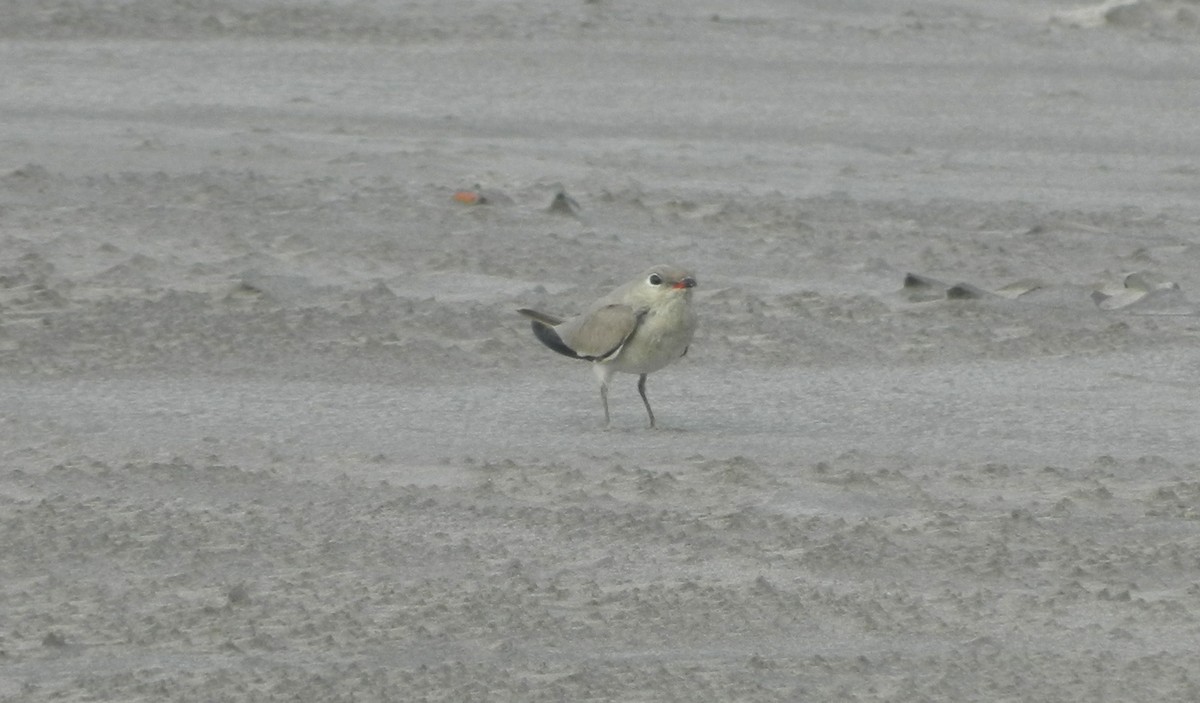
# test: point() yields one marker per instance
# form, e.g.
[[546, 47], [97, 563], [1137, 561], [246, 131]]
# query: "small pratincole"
[[638, 328]]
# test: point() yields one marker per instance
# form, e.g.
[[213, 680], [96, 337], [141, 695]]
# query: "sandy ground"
[[270, 428]]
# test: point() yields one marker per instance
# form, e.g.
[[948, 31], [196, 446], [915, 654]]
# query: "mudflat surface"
[[271, 429]]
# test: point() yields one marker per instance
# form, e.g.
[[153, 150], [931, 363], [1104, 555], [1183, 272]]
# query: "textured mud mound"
[[189, 581]]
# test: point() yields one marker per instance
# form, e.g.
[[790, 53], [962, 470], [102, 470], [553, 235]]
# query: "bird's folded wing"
[[600, 333]]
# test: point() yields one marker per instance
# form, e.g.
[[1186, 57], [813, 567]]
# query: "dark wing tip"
[[546, 335]]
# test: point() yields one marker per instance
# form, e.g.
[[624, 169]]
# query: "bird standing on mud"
[[638, 328]]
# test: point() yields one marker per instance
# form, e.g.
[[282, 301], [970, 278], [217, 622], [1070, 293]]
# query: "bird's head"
[[665, 282]]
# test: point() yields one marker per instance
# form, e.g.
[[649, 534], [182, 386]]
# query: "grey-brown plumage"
[[638, 328]]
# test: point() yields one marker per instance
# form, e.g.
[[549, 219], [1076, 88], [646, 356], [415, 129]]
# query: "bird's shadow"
[[641, 429]]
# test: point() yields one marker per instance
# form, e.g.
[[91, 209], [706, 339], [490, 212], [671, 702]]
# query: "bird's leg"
[[604, 400], [603, 374], [642, 391]]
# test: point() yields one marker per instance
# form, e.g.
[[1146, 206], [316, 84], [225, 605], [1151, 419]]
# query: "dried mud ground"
[[270, 428]]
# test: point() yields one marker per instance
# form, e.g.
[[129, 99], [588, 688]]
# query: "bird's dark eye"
[[655, 279]]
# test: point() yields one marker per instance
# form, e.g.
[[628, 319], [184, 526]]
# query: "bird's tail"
[[543, 328], [548, 320]]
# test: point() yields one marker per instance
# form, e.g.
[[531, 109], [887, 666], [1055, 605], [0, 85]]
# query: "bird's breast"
[[662, 337]]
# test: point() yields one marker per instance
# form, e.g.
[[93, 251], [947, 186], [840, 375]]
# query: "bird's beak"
[[688, 282]]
